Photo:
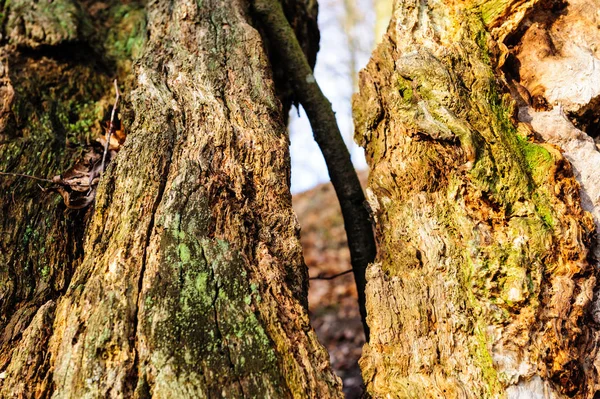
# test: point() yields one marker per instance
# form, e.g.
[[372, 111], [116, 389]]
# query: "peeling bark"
[[484, 278], [186, 279], [556, 59]]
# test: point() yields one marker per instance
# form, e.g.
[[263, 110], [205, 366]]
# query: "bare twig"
[[321, 277], [27, 176], [56, 180], [112, 126]]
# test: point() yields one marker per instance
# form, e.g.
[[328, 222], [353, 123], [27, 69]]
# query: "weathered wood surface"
[[484, 278], [186, 279]]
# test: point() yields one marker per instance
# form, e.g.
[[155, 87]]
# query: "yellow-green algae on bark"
[[482, 279]]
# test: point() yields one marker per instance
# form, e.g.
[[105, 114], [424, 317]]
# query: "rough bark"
[[484, 278], [186, 279]]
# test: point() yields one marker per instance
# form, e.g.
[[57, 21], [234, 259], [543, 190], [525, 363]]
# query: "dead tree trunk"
[[485, 278], [186, 278]]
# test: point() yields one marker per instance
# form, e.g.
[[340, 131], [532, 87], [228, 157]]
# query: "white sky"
[[335, 79]]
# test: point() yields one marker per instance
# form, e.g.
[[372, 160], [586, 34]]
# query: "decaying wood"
[[557, 59], [483, 282]]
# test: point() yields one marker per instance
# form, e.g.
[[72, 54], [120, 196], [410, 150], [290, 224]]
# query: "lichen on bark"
[[188, 279], [482, 280], [55, 90]]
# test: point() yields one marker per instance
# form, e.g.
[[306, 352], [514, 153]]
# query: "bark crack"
[[155, 205], [220, 337]]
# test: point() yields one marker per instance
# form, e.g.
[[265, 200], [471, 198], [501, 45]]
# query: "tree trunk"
[[186, 278], [485, 277]]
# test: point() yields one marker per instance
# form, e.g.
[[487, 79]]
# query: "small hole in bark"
[[514, 38], [556, 6], [569, 378], [511, 67], [596, 395], [419, 257], [587, 119]]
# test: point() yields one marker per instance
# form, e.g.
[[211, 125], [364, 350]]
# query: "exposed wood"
[[557, 60], [483, 283]]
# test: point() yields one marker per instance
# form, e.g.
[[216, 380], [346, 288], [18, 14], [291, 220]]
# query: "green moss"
[[202, 282], [28, 234], [405, 89], [45, 23], [473, 277], [184, 253], [45, 271], [538, 159], [481, 353], [481, 38], [125, 40], [491, 9], [544, 209]]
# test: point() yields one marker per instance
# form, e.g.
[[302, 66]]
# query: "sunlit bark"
[[484, 280], [186, 278]]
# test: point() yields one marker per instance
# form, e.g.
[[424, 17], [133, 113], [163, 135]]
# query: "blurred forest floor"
[[332, 303]]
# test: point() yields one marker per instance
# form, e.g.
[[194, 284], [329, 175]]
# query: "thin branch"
[[59, 182], [112, 127], [359, 231], [27, 176], [321, 277]]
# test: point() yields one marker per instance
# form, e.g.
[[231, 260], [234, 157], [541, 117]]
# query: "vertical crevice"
[[149, 230]]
